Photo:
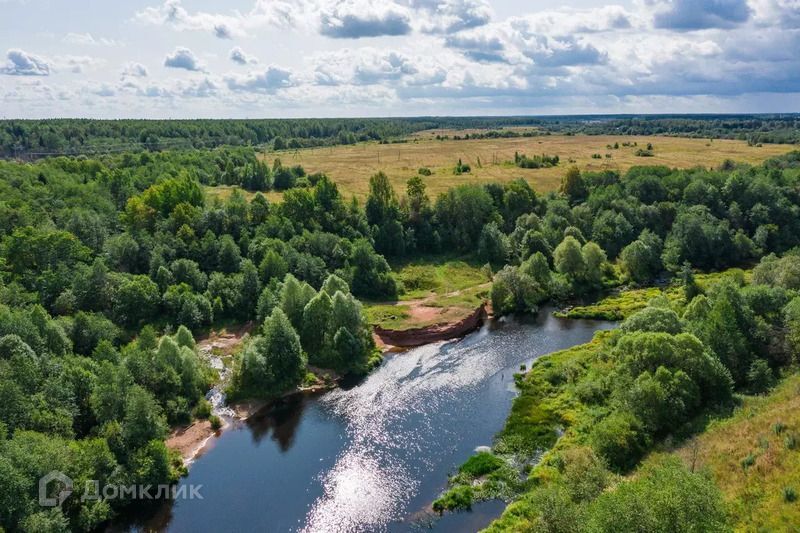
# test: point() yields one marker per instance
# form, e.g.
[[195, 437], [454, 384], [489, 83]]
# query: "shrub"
[[216, 422], [620, 439], [456, 498], [480, 464], [203, 409], [760, 377], [424, 171], [789, 494], [748, 461], [664, 496]]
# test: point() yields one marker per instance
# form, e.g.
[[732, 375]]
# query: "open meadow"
[[492, 160]]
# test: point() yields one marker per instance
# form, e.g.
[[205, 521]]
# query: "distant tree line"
[[39, 138]]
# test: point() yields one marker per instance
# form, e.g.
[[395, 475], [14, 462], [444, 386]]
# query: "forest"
[[33, 139], [111, 267]]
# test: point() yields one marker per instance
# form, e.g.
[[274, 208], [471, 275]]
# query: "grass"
[[547, 406], [622, 304], [754, 460], [223, 192], [351, 166], [438, 289]]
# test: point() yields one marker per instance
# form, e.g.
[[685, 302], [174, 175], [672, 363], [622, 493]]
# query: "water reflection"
[[280, 421], [371, 457]]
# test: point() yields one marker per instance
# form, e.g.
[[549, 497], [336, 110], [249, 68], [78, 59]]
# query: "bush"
[[664, 496], [202, 410], [760, 377], [748, 461], [424, 171], [480, 464], [620, 439], [456, 498], [216, 422], [789, 494]]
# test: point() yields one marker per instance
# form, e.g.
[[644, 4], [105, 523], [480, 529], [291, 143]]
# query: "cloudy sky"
[[294, 58]]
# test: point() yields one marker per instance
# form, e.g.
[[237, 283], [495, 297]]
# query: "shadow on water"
[[372, 455]]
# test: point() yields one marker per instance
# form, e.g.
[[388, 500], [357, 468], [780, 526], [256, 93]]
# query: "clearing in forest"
[[492, 160]]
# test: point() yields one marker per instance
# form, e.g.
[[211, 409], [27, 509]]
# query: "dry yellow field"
[[492, 159]]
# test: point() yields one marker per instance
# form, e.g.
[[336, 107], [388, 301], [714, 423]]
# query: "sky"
[[326, 58]]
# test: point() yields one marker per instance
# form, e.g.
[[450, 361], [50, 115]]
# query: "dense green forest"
[[109, 266], [39, 138]]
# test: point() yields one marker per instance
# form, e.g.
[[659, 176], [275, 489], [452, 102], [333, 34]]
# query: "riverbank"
[[193, 440], [375, 455], [407, 338], [219, 347]]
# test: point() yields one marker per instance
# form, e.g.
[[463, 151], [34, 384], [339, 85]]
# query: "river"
[[371, 457]]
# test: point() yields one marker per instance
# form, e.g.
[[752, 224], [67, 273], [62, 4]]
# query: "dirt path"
[[421, 310]]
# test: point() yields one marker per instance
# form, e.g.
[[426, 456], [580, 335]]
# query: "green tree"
[[573, 186], [143, 420], [569, 260]]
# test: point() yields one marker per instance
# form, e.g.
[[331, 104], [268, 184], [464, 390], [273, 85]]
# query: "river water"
[[371, 457]]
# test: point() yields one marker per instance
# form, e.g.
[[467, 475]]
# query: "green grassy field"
[[436, 290], [622, 304], [754, 457]]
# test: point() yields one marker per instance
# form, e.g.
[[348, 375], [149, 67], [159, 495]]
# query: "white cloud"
[[88, 39], [183, 58], [435, 55], [267, 81], [77, 64], [265, 13], [134, 70], [688, 15], [354, 19], [448, 16], [22, 63], [237, 55]]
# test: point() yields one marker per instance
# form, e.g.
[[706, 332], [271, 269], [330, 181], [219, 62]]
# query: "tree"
[[760, 377], [294, 297], [229, 258], [274, 361], [493, 245], [653, 319], [143, 420], [334, 284], [514, 291], [791, 315], [382, 205], [569, 260], [664, 496], [136, 300], [273, 266], [641, 260], [250, 290], [370, 273], [315, 331], [620, 439], [184, 337], [572, 185], [690, 286], [462, 212], [594, 258]]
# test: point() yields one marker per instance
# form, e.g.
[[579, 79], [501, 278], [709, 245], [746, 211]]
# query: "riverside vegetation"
[[685, 355], [110, 266]]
